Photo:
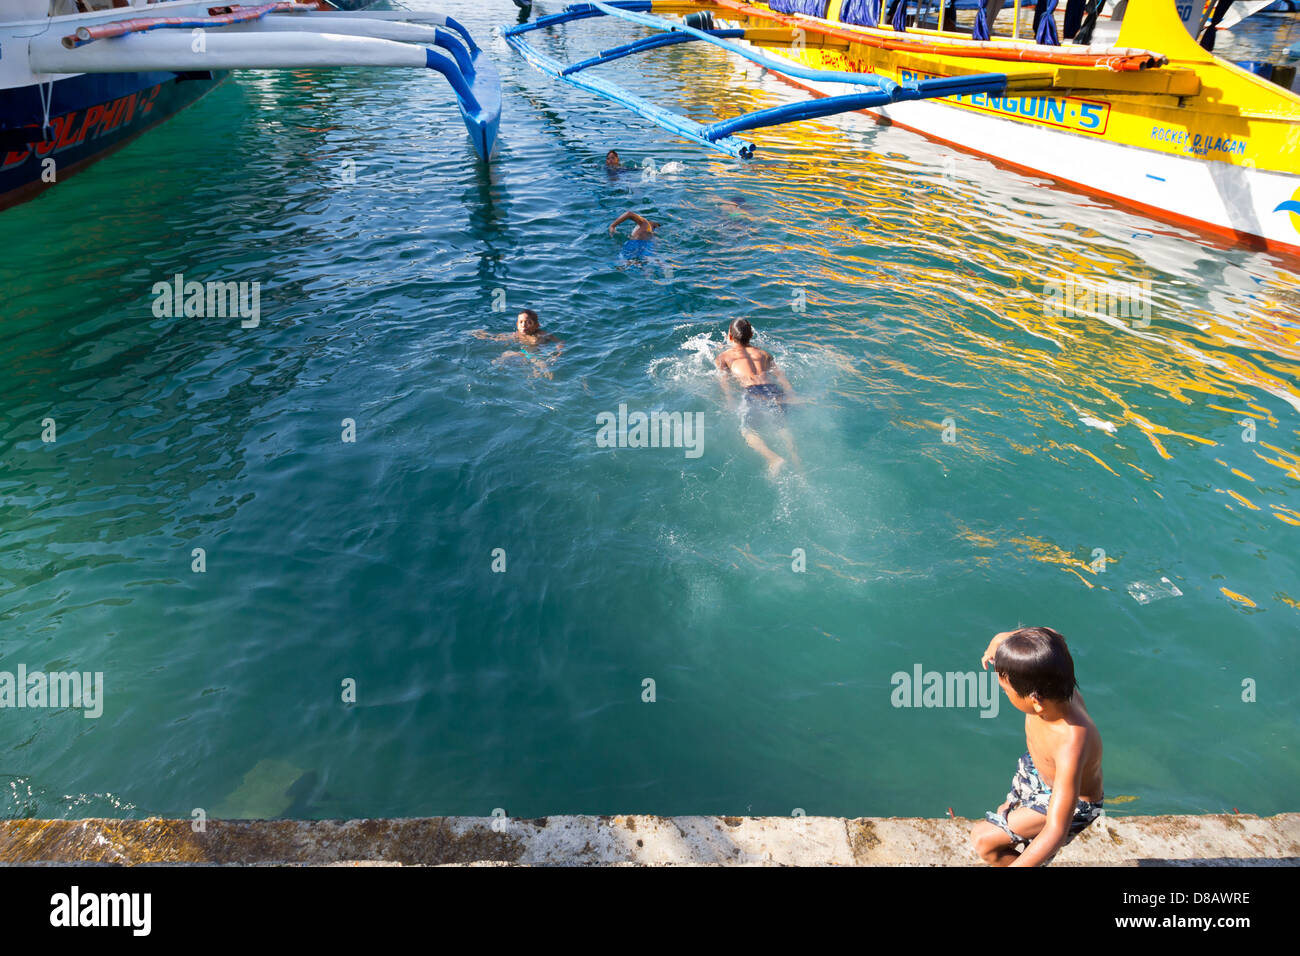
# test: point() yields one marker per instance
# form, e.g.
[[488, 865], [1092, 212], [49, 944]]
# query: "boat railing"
[[902, 10], [1118, 59]]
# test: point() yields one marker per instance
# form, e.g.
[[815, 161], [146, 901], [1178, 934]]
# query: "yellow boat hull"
[[1194, 139]]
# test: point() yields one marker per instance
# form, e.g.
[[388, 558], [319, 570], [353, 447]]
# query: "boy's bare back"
[[1072, 735], [747, 363]]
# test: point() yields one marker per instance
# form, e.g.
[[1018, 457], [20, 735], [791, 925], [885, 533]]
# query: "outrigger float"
[[1147, 118], [80, 78]]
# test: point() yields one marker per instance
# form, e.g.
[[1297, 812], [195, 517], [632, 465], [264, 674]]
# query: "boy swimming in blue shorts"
[[641, 245], [767, 391], [1056, 791]]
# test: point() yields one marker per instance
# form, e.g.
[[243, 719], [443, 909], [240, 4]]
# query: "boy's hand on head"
[[991, 651]]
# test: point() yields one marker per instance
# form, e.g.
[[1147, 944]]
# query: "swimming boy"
[[1056, 791], [643, 233], [528, 335], [612, 162], [734, 207], [767, 391]]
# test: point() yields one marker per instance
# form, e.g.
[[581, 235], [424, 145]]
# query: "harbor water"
[[1020, 405]]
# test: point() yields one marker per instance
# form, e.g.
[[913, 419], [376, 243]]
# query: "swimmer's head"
[[527, 323], [611, 159], [741, 331], [1034, 662]]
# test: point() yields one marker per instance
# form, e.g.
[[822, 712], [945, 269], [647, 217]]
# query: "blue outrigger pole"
[[879, 90], [469, 71], [683, 126]]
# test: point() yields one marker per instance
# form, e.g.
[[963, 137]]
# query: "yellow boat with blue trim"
[[1149, 118]]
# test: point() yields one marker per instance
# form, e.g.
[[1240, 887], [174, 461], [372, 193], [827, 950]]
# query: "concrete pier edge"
[[635, 840]]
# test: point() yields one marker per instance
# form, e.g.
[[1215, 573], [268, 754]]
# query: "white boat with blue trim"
[[81, 78]]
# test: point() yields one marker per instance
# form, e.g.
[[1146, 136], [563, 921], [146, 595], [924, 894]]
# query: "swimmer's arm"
[[723, 362], [1060, 809], [639, 220], [485, 334], [725, 368]]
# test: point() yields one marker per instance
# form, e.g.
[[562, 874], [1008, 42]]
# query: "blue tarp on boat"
[[811, 8], [863, 13]]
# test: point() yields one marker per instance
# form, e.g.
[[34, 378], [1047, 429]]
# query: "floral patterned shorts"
[[1029, 790]]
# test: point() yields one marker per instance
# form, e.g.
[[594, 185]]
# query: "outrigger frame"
[[718, 135], [287, 35]]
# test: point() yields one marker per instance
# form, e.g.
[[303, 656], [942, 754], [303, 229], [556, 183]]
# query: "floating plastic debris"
[[1097, 423], [1145, 593]]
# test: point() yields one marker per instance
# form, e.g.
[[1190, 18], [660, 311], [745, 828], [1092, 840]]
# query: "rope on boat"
[[236, 14], [46, 91]]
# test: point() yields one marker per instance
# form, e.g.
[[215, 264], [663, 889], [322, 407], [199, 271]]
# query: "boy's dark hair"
[[529, 313], [742, 331], [1035, 660]]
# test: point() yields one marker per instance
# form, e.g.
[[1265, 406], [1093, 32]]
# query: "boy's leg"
[[994, 845], [1028, 823], [774, 461], [789, 443]]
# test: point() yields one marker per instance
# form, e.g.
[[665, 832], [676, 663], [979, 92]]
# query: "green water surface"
[[899, 284]]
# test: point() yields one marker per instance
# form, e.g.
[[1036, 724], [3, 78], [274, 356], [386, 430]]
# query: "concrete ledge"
[[1223, 840]]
